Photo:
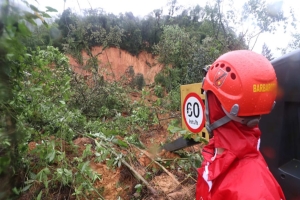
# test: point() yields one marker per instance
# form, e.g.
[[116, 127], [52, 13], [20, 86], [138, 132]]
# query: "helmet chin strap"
[[220, 122], [248, 121]]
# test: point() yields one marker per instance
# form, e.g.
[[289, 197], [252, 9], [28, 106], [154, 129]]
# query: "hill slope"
[[114, 62]]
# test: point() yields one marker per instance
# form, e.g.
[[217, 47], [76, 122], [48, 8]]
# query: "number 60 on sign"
[[193, 112]]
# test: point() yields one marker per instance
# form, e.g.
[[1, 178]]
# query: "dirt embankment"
[[114, 62]]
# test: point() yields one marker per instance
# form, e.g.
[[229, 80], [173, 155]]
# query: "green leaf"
[[32, 175], [24, 1], [29, 15], [120, 143], [50, 9], [16, 191], [23, 29], [87, 152], [138, 188], [110, 162], [45, 24], [183, 132], [84, 166], [51, 156], [46, 170], [39, 197], [31, 21], [29, 182], [36, 89], [34, 8], [26, 188], [174, 129], [45, 180], [45, 15], [10, 55]]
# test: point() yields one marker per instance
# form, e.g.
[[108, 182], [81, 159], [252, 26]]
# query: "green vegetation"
[[45, 107]]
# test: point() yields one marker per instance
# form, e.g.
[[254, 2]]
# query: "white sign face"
[[193, 109]]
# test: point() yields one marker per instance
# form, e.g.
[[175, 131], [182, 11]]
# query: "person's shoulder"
[[249, 179]]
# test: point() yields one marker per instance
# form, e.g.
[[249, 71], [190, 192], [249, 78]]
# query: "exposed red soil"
[[114, 63]]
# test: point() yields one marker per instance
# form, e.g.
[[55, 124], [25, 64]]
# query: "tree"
[[262, 17], [151, 29], [14, 27], [293, 44], [149, 32], [84, 35], [267, 52], [132, 37], [176, 46], [43, 36]]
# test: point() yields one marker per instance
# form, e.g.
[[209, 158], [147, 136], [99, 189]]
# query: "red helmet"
[[244, 82]]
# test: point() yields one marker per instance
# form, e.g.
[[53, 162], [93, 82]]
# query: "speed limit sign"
[[193, 112]]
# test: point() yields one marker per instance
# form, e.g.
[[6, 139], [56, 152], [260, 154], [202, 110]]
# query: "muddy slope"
[[114, 62]]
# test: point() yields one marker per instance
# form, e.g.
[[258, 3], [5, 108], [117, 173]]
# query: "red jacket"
[[240, 172]]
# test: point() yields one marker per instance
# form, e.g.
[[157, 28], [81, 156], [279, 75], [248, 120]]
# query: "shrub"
[[139, 81], [169, 78], [103, 99], [173, 99], [159, 91]]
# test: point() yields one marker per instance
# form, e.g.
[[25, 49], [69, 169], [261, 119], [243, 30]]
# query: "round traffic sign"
[[193, 112]]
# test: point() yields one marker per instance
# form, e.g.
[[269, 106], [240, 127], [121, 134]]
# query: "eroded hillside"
[[114, 62]]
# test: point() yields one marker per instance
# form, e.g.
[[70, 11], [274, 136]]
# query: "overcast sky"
[[137, 7], [144, 7]]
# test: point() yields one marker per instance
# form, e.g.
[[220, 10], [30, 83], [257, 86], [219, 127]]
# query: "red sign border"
[[193, 94]]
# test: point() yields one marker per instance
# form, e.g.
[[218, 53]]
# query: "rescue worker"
[[240, 86]]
